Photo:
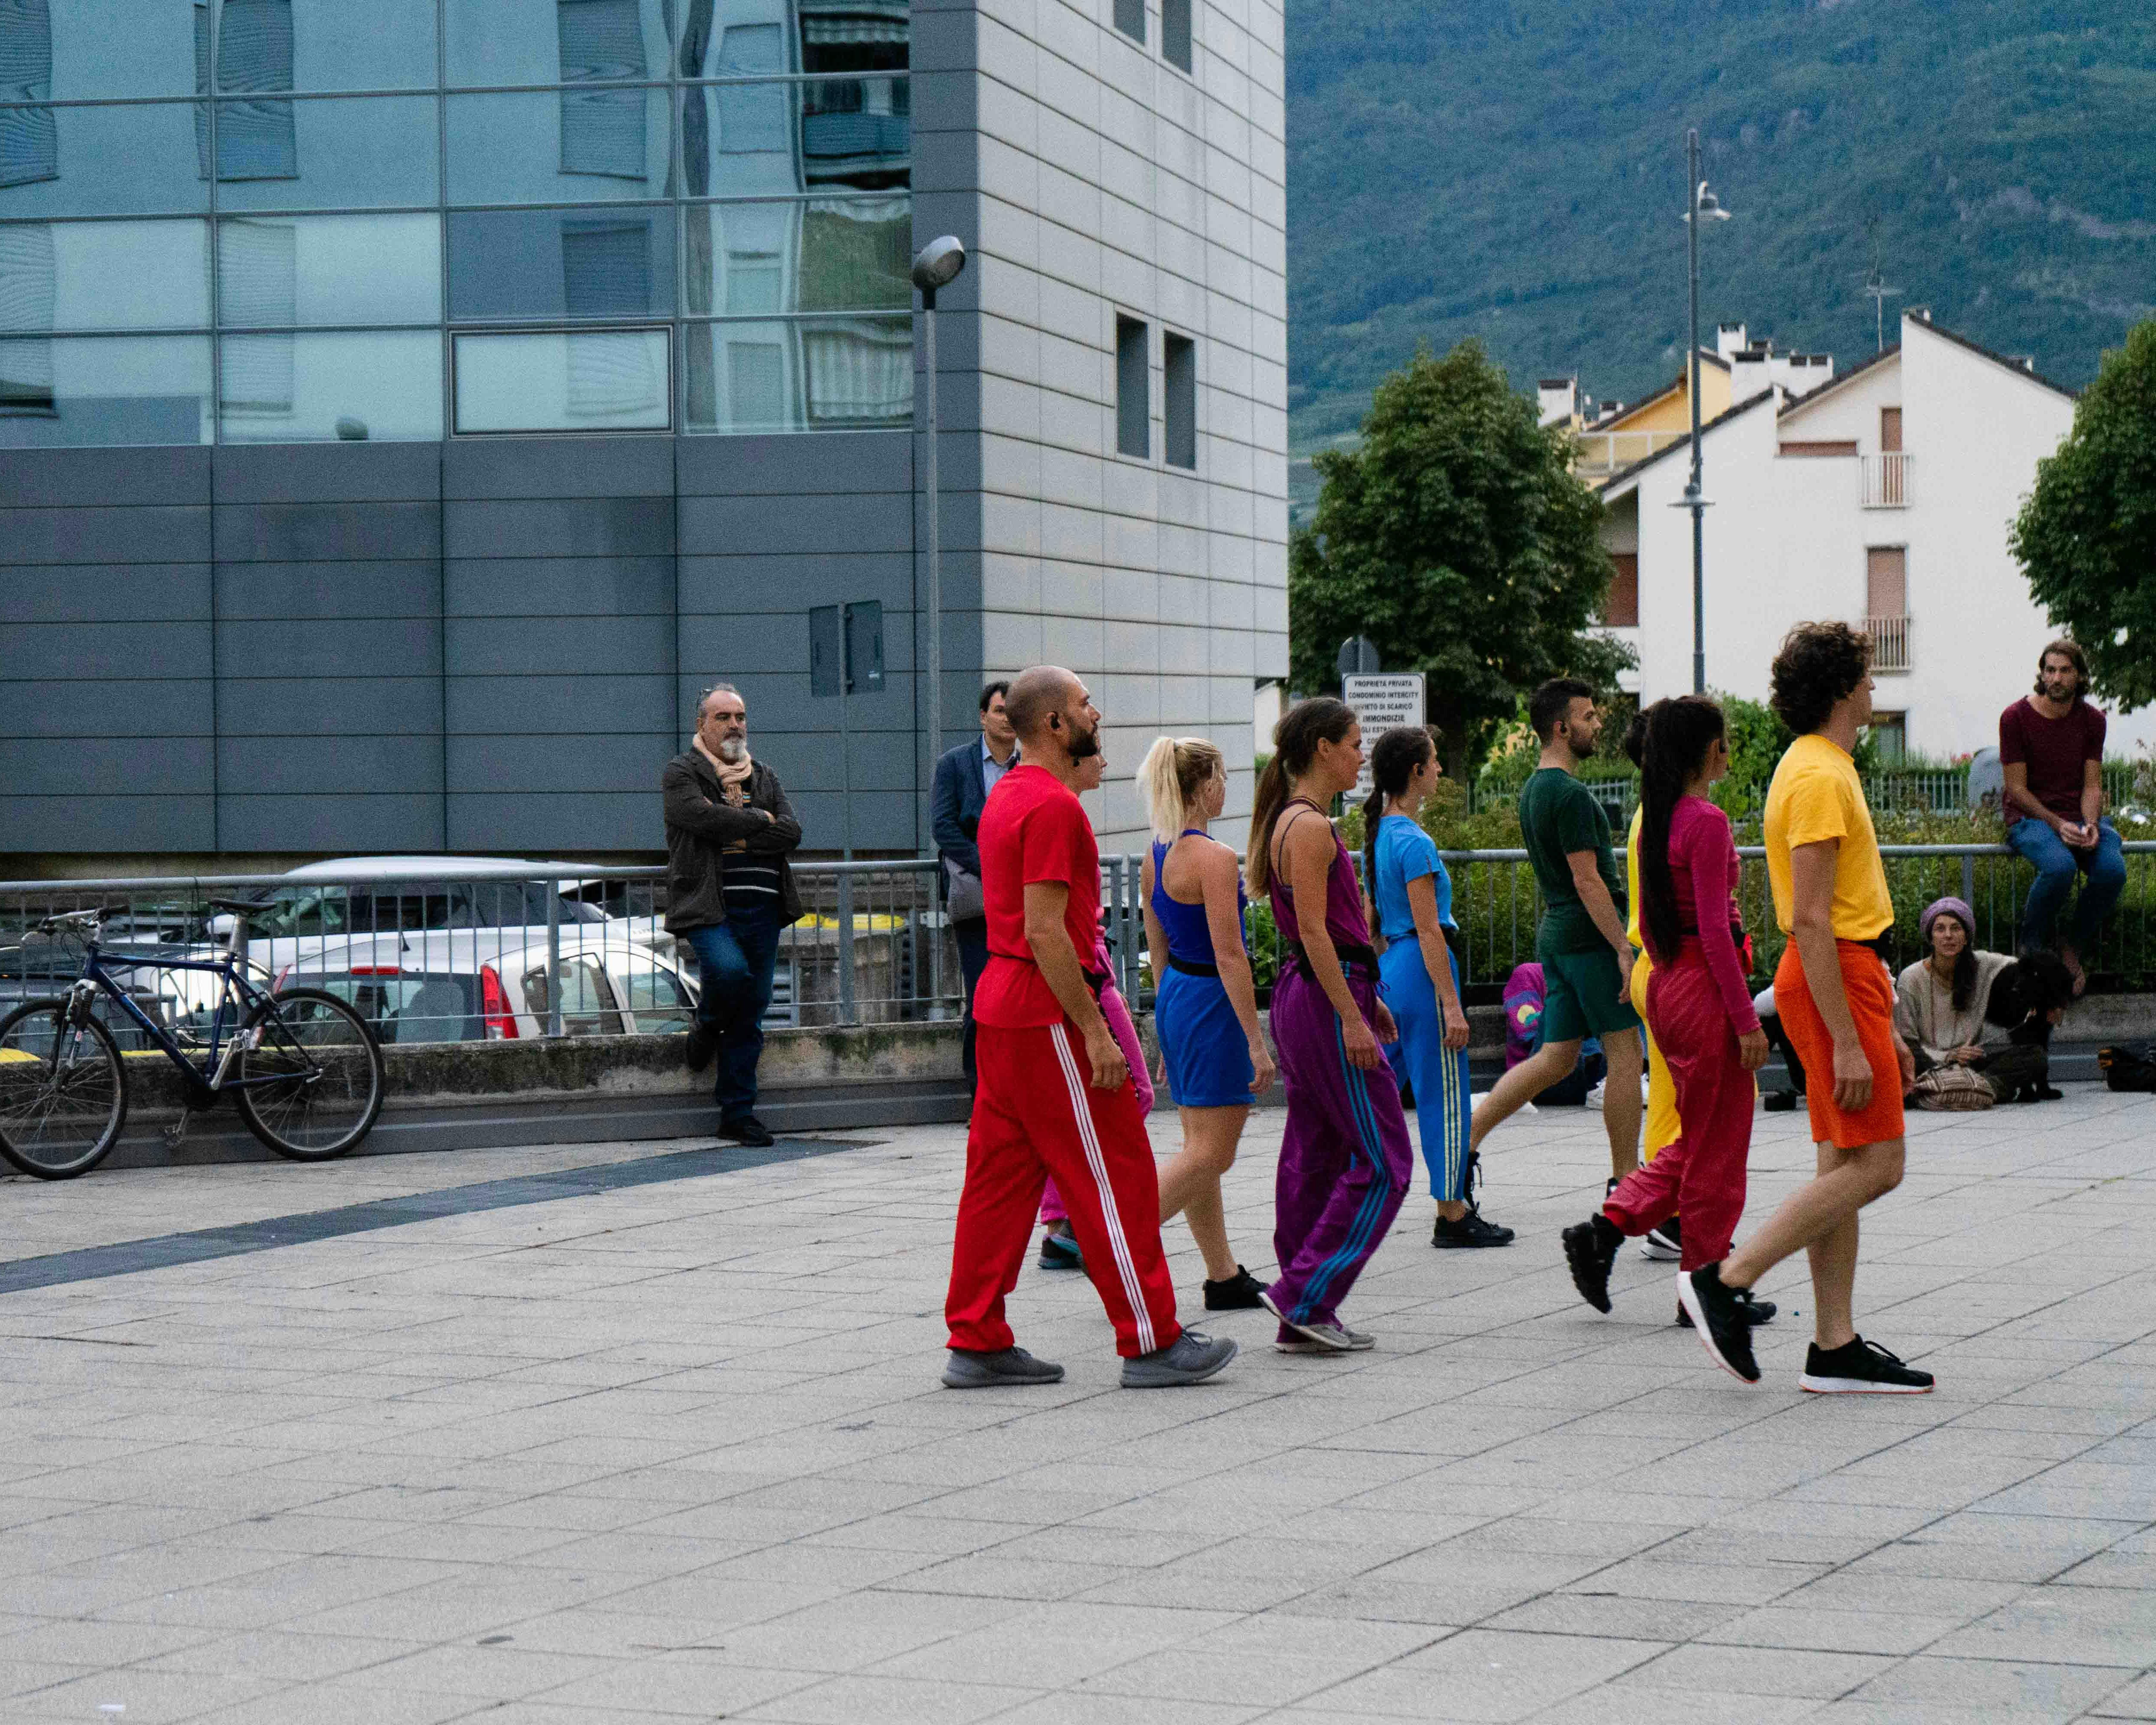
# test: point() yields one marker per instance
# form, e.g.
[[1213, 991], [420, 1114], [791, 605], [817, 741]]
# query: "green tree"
[[2087, 536], [1456, 538]]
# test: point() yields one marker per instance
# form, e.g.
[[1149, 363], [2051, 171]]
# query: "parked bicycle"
[[300, 1065]]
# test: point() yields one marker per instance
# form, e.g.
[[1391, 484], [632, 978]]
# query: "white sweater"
[[1924, 1009]]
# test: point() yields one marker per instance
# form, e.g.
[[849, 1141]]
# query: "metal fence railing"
[[498, 952]]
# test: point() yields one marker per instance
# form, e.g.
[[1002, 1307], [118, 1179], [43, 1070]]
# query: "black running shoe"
[[1239, 1292], [1755, 1311], [1590, 1247], [1861, 1368], [1717, 1314], [1470, 1230], [1058, 1250], [1665, 1242], [747, 1129], [1779, 1101]]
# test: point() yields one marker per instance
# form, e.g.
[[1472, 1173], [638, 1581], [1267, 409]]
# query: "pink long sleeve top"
[[1703, 867]]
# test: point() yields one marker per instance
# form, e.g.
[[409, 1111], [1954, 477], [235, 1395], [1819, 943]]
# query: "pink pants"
[[1117, 1012], [1703, 1173]]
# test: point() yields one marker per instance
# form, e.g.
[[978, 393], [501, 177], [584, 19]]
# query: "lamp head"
[[937, 265], [1710, 206]]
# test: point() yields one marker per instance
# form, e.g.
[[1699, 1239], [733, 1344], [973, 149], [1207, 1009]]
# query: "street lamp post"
[[1700, 205], [936, 265]]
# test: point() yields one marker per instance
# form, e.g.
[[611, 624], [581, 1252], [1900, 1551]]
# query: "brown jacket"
[[700, 823]]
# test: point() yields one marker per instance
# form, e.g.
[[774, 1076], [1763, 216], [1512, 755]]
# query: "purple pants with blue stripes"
[[1346, 1160]]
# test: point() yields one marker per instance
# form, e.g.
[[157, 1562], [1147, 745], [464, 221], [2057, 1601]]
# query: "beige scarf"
[[733, 781]]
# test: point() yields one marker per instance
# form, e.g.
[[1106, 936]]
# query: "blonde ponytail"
[[1175, 769]]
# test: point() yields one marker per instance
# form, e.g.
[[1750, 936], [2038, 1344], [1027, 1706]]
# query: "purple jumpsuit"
[[1346, 1160]]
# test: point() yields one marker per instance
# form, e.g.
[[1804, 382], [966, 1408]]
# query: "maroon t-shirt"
[[2055, 751]]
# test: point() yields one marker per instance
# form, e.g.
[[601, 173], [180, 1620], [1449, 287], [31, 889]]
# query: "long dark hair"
[[1394, 760], [1679, 732], [1296, 738], [1964, 968]]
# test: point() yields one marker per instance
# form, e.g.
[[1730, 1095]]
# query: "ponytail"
[[1679, 732], [1175, 769], [1296, 738], [1397, 758]]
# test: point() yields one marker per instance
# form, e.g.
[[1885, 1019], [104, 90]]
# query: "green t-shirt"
[[1559, 815]]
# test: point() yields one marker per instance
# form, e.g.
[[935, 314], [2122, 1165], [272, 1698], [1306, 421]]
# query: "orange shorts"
[[1870, 994]]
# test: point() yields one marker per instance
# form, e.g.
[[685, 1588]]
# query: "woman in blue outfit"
[[1412, 898], [1205, 1006]]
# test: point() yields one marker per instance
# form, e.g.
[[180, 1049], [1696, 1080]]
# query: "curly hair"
[[1820, 663]]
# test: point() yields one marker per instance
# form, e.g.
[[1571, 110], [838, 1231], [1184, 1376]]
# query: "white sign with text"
[[1381, 702]]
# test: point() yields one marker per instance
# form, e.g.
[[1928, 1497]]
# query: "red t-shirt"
[[1032, 829], [2055, 751]]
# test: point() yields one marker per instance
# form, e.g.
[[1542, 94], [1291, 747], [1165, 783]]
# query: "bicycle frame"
[[239, 997]]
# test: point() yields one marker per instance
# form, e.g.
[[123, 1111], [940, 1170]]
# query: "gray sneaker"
[[1191, 1358], [1331, 1336], [1014, 1366], [1356, 1342]]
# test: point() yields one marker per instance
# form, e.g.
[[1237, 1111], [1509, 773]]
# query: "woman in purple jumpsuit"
[[1346, 1160]]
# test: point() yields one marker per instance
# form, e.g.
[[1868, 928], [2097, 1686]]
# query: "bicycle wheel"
[[323, 1071], [63, 1092]]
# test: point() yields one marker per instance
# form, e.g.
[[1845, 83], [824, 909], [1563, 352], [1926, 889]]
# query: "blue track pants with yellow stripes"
[[1345, 1161], [1437, 1074]]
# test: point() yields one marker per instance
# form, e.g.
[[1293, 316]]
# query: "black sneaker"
[[1059, 1251], [1239, 1292], [747, 1129], [1470, 1230], [1664, 1243], [1590, 1247], [1861, 1368], [1755, 1311], [1718, 1316], [1779, 1101], [701, 1045]]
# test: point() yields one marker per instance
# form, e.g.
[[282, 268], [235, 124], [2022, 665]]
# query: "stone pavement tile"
[[1659, 1576], [1012, 1574], [1053, 1647], [1292, 1670], [1999, 1685], [1486, 1675], [499, 1672], [1582, 1613], [344, 1701], [1087, 1708], [25, 1677], [2078, 1625], [152, 1696], [2136, 1700], [79, 1641], [890, 1701], [280, 1654], [678, 1685], [1785, 1624], [1761, 1670], [1860, 1590], [1639, 1704]]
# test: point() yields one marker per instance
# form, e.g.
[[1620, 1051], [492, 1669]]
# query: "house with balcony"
[[1883, 497]]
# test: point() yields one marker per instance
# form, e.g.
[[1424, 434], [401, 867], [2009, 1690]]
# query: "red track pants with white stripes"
[[1036, 1114]]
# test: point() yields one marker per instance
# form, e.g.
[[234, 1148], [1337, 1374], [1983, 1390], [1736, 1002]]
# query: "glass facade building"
[[295, 221]]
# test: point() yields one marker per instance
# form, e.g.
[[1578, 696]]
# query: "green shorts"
[[1583, 995]]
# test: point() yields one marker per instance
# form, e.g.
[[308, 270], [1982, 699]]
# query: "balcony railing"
[[1886, 480], [1602, 453], [1889, 643]]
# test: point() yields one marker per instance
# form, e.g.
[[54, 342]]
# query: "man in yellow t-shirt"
[[1836, 1002]]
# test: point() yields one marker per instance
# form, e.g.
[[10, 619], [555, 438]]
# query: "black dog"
[[2026, 1000]]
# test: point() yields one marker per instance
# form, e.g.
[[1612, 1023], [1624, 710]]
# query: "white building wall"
[[1786, 542], [1111, 181]]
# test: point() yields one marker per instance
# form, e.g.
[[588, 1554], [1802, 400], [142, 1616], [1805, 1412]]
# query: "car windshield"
[[358, 908], [407, 1007]]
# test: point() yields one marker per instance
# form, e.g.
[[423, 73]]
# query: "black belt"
[[1350, 955], [1192, 966]]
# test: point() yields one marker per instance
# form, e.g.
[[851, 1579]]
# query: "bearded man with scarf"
[[729, 891]]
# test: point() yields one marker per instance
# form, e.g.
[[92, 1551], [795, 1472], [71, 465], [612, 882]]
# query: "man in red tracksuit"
[[1054, 1095]]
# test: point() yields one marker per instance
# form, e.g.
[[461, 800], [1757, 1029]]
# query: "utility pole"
[[1699, 204]]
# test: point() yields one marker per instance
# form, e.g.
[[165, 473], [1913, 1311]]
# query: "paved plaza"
[[645, 1432]]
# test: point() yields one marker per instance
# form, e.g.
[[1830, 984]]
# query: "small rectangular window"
[[1134, 404], [1175, 33], [1130, 18], [1620, 605], [1887, 580], [1179, 355]]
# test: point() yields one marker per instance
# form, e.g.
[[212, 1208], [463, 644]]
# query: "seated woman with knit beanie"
[[1962, 1007]]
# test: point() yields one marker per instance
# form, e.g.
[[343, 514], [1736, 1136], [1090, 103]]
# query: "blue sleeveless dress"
[[1201, 1040]]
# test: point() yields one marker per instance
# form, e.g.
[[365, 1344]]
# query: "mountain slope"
[[1514, 170]]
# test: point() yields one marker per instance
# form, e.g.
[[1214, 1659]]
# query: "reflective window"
[[105, 389], [740, 139], [329, 270], [826, 254], [89, 49], [496, 42], [320, 386], [604, 265], [610, 380], [355, 153], [799, 374], [340, 45], [559, 147], [139, 159], [103, 275]]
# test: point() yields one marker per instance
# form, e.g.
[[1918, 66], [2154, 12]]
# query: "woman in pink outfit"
[[1699, 1006]]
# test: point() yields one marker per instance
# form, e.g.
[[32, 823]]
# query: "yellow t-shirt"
[[1816, 795], [1632, 880]]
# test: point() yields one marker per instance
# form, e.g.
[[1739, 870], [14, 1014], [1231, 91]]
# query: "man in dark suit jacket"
[[964, 777]]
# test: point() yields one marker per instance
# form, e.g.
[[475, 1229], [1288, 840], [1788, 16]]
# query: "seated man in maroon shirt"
[[2050, 746]]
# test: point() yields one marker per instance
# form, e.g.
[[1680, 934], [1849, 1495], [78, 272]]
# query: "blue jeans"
[[2057, 862], [736, 958]]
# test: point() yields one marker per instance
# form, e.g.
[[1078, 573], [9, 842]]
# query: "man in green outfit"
[[1586, 960]]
